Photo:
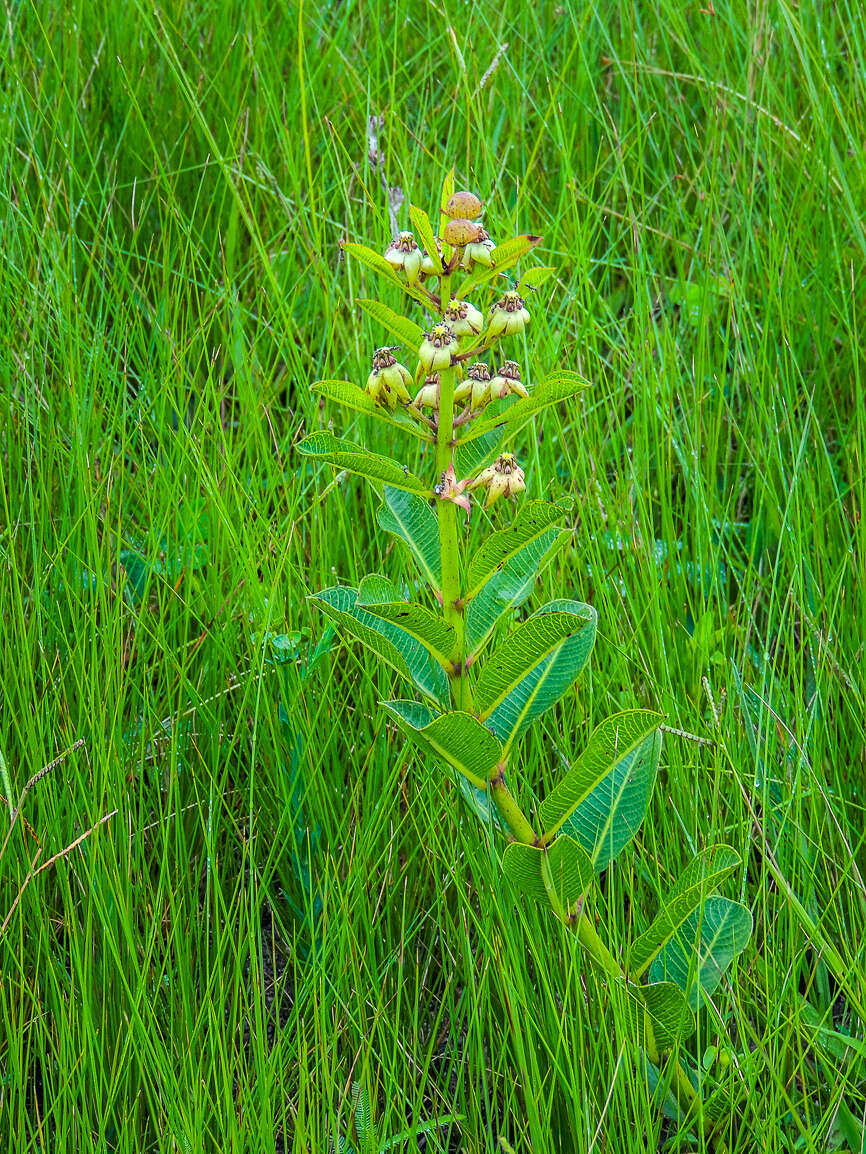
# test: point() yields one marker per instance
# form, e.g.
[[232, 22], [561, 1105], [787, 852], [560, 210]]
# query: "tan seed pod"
[[465, 204], [461, 232]]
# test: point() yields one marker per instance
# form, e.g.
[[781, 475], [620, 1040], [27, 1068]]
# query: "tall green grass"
[[283, 904]]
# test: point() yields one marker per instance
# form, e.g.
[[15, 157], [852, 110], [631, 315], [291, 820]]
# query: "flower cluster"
[[460, 343]]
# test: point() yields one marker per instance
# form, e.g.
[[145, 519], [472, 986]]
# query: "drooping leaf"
[[351, 396], [409, 333], [534, 667], [324, 446], [504, 256], [662, 1006], [393, 644], [510, 585], [457, 738], [424, 229], [373, 260], [531, 522], [435, 634], [410, 518], [703, 948], [480, 802], [701, 877], [558, 387], [564, 871], [602, 799]]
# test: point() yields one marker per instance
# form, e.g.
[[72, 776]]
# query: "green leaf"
[[703, 948], [447, 191], [409, 333], [351, 396], [374, 589], [664, 1007], [412, 520], [324, 446], [534, 278], [423, 227], [457, 738], [499, 548], [470, 457], [510, 586], [378, 264], [563, 870], [553, 390], [534, 667], [603, 797], [504, 256], [701, 877], [436, 635], [389, 641]]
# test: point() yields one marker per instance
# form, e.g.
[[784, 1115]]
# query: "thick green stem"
[[509, 810]]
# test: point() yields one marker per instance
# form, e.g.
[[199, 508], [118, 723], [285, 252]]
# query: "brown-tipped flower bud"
[[461, 232], [428, 394], [506, 381], [465, 204], [437, 348], [504, 478], [478, 252], [478, 379], [464, 318], [387, 382], [403, 254], [509, 315]]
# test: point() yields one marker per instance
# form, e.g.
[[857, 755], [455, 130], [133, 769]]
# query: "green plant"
[[365, 1137], [475, 705]]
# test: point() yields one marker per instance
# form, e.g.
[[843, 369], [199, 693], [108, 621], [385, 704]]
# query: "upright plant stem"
[[449, 539]]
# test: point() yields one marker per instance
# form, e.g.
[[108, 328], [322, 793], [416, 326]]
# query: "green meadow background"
[[274, 898]]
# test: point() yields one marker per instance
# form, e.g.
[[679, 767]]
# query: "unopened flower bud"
[[461, 232], [509, 315], [404, 254], [478, 251], [387, 382], [437, 348], [464, 318], [504, 478], [428, 394], [431, 267], [506, 381], [465, 204], [478, 379]]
